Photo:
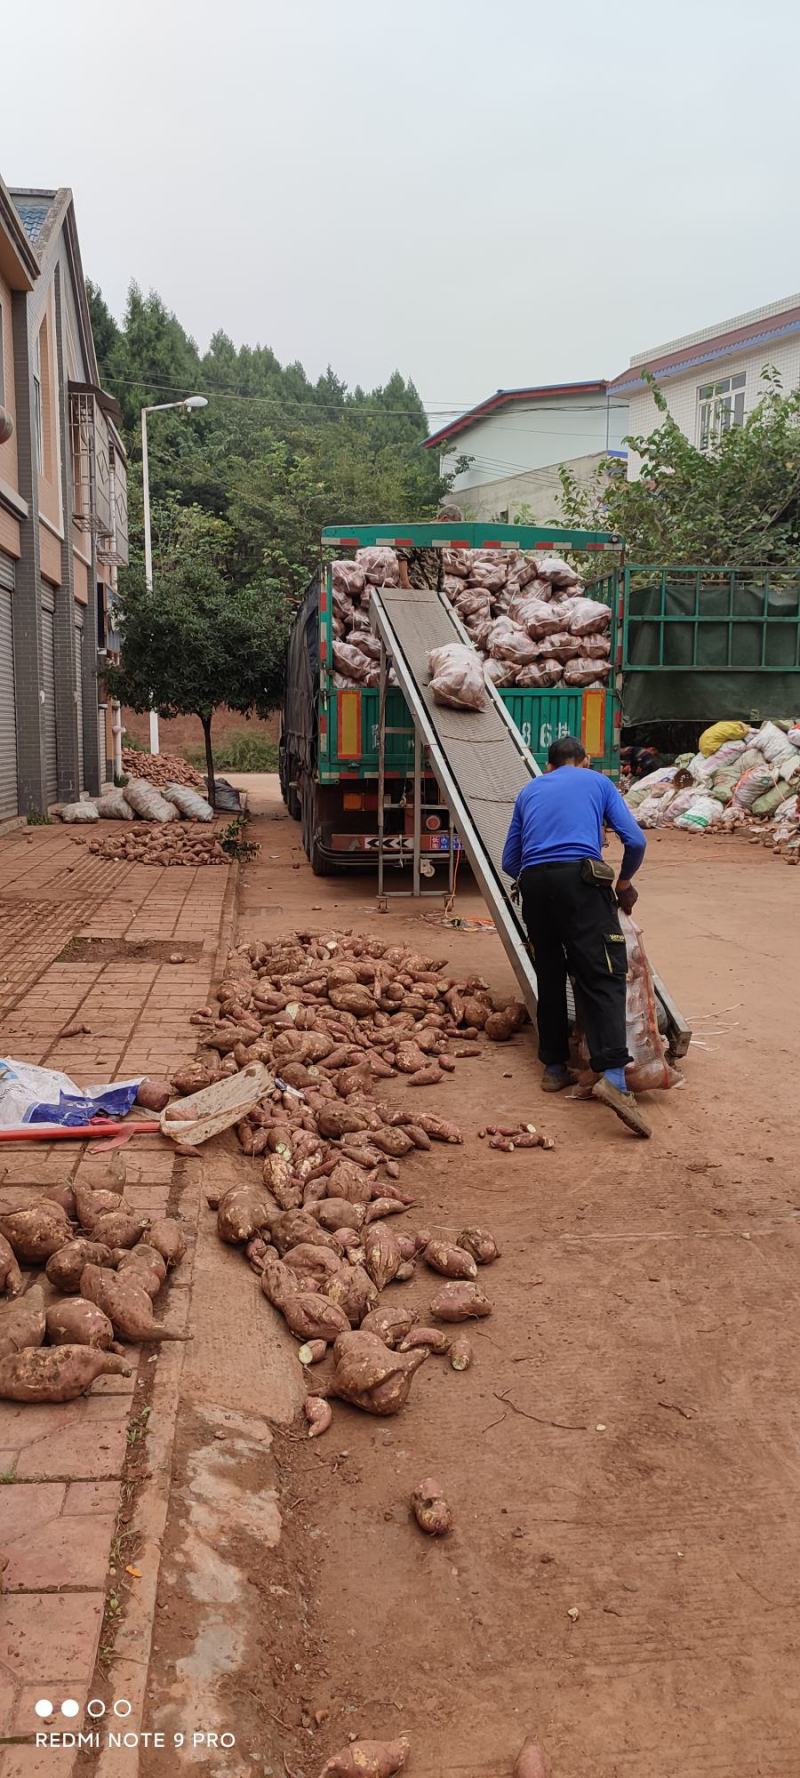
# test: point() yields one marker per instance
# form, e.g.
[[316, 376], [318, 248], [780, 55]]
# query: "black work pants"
[[574, 929]]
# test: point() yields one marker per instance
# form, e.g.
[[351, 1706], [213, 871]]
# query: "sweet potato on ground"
[[36, 1233], [382, 1254], [64, 1267], [146, 1266], [461, 1354], [117, 1229], [370, 1376], [126, 1304], [368, 1759], [168, 1239], [530, 1761], [56, 1373], [22, 1322], [77, 1322], [243, 1210], [451, 1261], [430, 1509], [391, 1325], [434, 1338], [319, 1415], [10, 1274], [353, 1291], [154, 1094], [460, 1302], [480, 1244], [310, 1316]]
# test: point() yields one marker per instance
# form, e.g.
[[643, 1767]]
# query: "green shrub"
[[239, 752], [132, 745]]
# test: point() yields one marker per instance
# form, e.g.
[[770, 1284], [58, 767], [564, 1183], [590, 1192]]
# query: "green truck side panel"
[[705, 642], [475, 536]]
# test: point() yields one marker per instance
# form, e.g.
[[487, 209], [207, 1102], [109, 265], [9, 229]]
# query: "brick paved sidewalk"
[[83, 941]]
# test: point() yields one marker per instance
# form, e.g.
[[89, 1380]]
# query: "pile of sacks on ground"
[[528, 617], [739, 777], [140, 800]]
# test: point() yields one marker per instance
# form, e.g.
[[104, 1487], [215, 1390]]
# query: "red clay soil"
[[622, 1458]]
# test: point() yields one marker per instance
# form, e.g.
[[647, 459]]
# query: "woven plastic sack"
[[794, 737], [712, 738], [771, 801], [587, 616], [645, 786], [541, 675], [189, 802], [350, 661], [669, 807], [457, 562], [147, 802], [649, 1071], [703, 812], [752, 785], [79, 812], [538, 616], [581, 671], [349, 578], [556, 571], [774, 745], [514, 644], [114, 807], [499, 673], [561, 647], [457, 677], [380, 566], [491, 576], [724, 783]]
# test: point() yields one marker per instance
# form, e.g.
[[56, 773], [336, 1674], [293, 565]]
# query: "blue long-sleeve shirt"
[[560, 817]]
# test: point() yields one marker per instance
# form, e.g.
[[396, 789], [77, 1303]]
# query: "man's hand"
[[627, 896]]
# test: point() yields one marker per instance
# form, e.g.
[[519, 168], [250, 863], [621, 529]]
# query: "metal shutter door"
[[8, 721], [49, 689], [79, 687]]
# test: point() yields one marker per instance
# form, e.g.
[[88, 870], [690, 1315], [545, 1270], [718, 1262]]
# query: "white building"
[[712, 379], [517, 441]]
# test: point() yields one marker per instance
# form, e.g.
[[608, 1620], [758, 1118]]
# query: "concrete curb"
[[130, 1667]]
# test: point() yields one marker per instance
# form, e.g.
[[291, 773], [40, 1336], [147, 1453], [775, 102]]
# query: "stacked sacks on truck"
[[529, 618]]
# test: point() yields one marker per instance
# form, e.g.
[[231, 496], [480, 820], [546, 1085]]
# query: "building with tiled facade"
[[63, 513]]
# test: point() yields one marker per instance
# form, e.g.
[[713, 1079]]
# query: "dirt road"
[[622, 1460]]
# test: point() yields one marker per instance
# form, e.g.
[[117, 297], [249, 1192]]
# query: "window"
[[38, 413], [720, 405]]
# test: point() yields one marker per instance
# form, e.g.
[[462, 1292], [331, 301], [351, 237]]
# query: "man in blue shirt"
[[555, 850]]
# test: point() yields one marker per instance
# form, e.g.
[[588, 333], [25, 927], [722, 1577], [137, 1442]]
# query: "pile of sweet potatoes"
[[318, 1216], [177, 843], [102, 1266]]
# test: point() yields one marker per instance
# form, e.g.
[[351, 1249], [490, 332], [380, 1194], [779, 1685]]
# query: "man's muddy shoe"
[[623, 1104], [554, 1080]]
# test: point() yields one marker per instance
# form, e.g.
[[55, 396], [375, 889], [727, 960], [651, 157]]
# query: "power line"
[[355, 408]]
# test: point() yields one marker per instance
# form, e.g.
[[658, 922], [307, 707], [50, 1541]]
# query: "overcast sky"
[[483, 195]]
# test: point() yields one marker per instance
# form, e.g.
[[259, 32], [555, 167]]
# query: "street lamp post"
[[191, 401]]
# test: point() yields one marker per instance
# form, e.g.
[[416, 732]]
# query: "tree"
[[197, 641], [738, 503]]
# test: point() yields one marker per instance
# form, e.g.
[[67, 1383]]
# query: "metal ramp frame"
[[480, 762]]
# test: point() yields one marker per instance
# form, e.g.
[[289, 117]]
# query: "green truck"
[[687, 644]]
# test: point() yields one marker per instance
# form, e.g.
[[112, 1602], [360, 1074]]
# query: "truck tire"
[[287, 773], [320, 865]]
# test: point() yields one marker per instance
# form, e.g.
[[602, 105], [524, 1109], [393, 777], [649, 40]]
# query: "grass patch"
[[239, 752], [35, 820]]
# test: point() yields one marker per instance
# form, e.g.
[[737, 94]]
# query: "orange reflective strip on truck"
[[348, 718], [593, 722]]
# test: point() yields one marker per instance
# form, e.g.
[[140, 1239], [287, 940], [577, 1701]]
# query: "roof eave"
[[504, 398], [27, 264]]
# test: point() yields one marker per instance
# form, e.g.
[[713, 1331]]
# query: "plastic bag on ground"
[[773, 744], [30, 1095], [457, 676], [79, 812], [188, 802], [147, 802], [114, 807], [712, 738], [752, 785], [703, 812]]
